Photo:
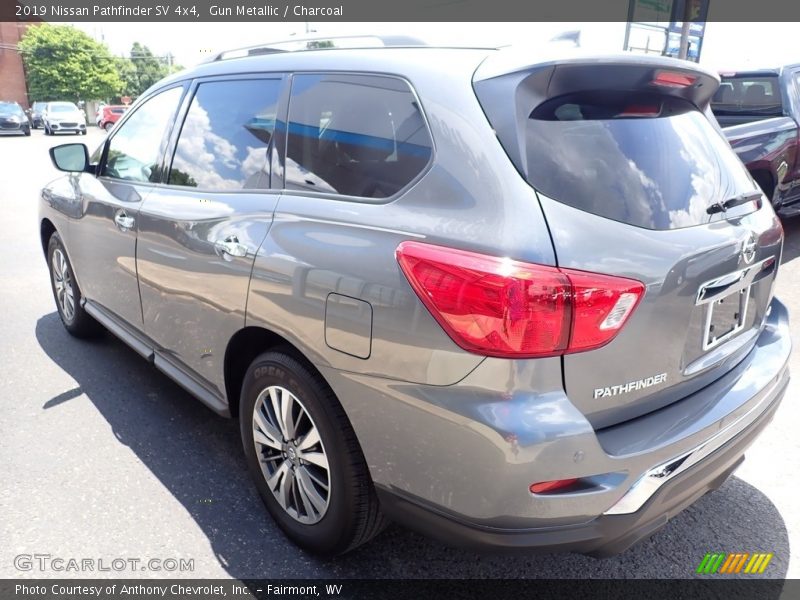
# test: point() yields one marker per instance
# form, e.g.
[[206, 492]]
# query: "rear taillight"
[[502, 307], [673, 79]]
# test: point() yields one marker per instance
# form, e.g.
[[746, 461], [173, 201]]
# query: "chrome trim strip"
[[649, 483]]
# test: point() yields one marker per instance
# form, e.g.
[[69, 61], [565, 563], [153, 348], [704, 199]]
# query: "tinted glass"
[[748, 94], [647, 161], [62, 107], [226, 136], [134, 150], [354, 135], [10, 109]]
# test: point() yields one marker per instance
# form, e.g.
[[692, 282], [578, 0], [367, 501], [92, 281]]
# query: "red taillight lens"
[[502, 307], [673, 79], [551, 486], [602, 304]]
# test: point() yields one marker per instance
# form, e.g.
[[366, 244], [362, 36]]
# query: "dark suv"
[[509, 300]]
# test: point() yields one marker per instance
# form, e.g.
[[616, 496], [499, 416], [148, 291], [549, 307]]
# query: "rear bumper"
[[455, 462], [606, 535]]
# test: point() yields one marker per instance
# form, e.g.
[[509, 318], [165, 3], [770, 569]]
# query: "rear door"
[[199, 233], [636, 182]]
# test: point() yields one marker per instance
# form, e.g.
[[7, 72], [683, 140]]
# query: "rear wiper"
[[718, 207]]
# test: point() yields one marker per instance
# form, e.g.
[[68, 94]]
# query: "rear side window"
[[354, 135], [225, 139], [748, 95], [643, 159]]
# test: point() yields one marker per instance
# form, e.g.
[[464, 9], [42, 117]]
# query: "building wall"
[[12, 74]]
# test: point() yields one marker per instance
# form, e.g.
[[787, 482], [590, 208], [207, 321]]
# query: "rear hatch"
[[635, 180]]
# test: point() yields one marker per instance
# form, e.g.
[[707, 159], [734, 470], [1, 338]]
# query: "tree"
[[63, 63], [129, 76], [149, 68]]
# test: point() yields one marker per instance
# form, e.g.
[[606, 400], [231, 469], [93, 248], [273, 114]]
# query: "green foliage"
[[64, 63], [149, 69]]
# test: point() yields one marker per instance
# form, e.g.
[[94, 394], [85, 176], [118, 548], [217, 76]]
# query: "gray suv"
[[509, 301]]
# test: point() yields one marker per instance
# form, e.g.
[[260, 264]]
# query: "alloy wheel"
[[291, 455], [62, 281]]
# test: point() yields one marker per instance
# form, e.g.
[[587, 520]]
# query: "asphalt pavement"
[[103, 458]]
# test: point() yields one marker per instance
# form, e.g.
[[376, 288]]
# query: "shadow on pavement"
[[197, 456]]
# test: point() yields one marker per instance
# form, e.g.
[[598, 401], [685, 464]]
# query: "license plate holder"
[[725, 317]]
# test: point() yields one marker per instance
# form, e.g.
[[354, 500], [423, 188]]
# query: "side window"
[[134, 150], [225, 138], [355, 135]]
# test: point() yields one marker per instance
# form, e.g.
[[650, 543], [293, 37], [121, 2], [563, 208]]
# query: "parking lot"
[[104, 457]]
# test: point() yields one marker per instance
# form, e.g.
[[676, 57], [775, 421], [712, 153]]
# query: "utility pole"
[[685, 29]]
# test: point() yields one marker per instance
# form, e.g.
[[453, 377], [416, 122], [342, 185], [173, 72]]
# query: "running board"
[[140, 345]]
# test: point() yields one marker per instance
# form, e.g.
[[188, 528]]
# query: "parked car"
[[35, 114], [63, 117], [509, 301], [98, 115], [760, 110], [13, 119], [109, 115]]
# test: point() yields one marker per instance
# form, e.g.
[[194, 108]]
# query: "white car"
[[63, 117]]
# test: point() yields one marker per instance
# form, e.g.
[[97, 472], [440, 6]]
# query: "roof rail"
[[300, 44]]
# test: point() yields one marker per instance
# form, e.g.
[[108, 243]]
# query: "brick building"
[[12, 75]]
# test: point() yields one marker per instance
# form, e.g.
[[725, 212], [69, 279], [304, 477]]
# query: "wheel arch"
[[243, 348], [766, 181], [46, 231]]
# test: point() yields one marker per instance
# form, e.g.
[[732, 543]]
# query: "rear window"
[[748, 95], [646, 160]]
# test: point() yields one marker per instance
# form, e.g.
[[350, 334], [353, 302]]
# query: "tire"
[[47, 130], [108, 126], [27, 132], [68, 295], [340, 518]]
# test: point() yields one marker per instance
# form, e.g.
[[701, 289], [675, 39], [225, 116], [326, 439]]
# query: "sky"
[[726, 45]]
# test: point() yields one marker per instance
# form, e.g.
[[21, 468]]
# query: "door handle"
[[230, 247], [123, 221]]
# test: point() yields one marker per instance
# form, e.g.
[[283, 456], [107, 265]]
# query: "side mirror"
[[70, 157]]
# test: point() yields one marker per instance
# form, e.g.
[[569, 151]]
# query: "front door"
[[104, 254]]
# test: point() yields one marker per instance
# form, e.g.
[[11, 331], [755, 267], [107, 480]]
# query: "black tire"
[[108, 126], [353, 516], [47, 130], [79, 323]]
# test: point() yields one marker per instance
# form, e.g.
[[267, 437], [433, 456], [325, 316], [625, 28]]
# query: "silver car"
[[63, 117], [510, 301]]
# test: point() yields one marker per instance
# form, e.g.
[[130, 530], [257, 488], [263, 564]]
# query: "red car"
[[109, 115]]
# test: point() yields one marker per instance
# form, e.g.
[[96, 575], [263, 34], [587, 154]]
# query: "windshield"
[[748, 94], [646, 160], [10, 109], [62, 108]]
